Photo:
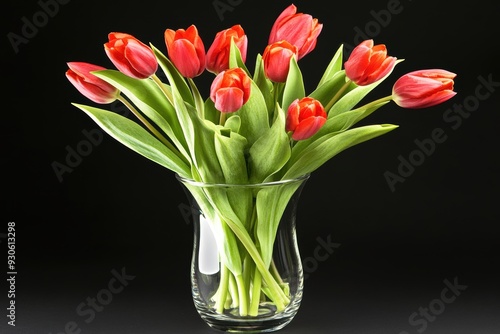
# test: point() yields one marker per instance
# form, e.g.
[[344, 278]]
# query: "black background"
[[118, 210]]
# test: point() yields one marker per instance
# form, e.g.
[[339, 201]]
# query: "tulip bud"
[[423, 88], [92, 87], [305, 117], [186, 51], [276, 58], [230, 90], [368, 63], [218, 53], [299, 29], [131, 56]]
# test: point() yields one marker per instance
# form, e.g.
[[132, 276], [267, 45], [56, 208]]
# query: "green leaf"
[[254, 116], [136, 138], [294, 85], [233, 123], [211, 113], [334, 66], [231, 154], [323, 149], [209, 201], [337, 124], [151, 101], [265, 85], [174, 77], [270, 152], [198, 100], [203, 146], [354, 96], [327, 90], [235, 59], [271, 202], [350, 99]]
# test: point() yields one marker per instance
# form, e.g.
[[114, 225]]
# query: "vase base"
[[251, 325], [267, 320]]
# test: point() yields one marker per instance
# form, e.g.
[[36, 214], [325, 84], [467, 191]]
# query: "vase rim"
[[243, 185]]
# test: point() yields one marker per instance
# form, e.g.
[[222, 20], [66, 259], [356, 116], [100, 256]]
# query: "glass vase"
[[246, 270]]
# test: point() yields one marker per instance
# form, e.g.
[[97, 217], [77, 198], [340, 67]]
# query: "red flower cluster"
[[293, 35]]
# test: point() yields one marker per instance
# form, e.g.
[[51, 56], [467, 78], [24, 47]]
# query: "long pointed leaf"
[[336, 124], [321, 151], [136, 138], [254, 116], [270, 152], [294, 85], [354, 96], [149, 99], [334, 66]]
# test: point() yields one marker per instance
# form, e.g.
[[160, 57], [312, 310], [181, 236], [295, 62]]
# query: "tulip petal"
[[186, 59], [423, 88], [140, 59], [308, 127], [89, 85], [228, 99]]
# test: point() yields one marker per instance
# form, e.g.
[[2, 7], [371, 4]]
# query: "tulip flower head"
[[299, 29], [368, 63], [218, 53], [305, 117], [186, 51], [131, 56], [423, 88], [230, 90], [90, 86], [276, 58]]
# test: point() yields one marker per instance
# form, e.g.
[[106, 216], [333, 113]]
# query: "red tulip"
[[186, 51], [131, 56], [423, 88], [230, 90], [305, 117], [298, 29], [218, 53], [368, 63], [276, 59], [92, 87]]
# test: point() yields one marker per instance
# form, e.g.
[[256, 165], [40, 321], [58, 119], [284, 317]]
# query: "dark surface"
[[116, 210]]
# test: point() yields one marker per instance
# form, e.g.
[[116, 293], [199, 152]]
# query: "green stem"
[[256, 286], [277, 91], [275, 273], [233, 290], [162, 87], [222, 118], [378, 101], [277, 295], [337, 95], [243, 295], [152, 128], [223, 287]]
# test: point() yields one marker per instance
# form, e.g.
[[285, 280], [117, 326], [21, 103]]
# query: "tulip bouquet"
[[253, 128]]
